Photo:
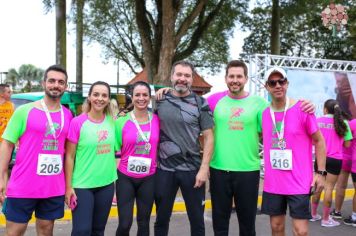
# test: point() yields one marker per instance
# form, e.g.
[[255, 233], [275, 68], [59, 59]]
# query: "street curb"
[[178, 207]]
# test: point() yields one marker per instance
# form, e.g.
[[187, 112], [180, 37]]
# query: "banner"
[[321, 86]]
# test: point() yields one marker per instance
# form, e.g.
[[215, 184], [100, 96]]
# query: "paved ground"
[[180, 226]]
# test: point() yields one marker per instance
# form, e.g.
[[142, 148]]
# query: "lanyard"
[[50, 122], [280, 134], [145, 138]]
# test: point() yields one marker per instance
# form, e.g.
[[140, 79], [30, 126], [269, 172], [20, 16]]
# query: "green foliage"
[[28, 78], [113, 24], [302, 32]]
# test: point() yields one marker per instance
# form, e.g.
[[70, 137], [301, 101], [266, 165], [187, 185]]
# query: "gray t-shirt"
[[182, 119]]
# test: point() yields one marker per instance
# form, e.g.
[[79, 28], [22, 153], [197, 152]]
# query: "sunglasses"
[[273, 83]]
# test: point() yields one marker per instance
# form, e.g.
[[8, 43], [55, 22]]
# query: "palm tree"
[[29, 76], [12, 78]]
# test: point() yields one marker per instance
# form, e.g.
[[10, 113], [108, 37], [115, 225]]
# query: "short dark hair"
[[57, 68], [236, 63], [140, 83], [3, 86], [183, 63]]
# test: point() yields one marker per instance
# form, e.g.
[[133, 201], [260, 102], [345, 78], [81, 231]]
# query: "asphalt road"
[[180, 226]]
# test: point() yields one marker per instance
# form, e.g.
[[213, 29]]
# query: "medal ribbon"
[[280, 133], [50, 122], [145, 138]]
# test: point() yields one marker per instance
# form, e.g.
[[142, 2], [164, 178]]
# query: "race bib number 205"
[[49, 164]]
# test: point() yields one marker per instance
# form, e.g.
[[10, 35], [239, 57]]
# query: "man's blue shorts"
[[19, 210]]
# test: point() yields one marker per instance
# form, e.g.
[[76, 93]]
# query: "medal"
[[282, 144], [147, 147]]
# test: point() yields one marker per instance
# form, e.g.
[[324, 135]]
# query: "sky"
[[27, 36]]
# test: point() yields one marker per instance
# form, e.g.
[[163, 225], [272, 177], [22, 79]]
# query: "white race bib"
[[281, 159], [49, 164], [138, 165]]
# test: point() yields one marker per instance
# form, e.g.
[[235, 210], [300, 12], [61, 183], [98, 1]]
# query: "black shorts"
[[276, 204], [333, 166], [353, 175]]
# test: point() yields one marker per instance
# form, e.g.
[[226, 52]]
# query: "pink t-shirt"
[[352, 125], [29, 126], [299, 127], [130, 143], [334, 143]]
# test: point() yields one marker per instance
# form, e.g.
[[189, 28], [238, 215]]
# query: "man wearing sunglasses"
[[288, 135]]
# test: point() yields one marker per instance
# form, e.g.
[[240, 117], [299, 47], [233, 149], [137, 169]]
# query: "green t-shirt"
[[95, 164], [236, 132]]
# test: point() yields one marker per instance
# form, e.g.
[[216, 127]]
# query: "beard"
[[53, 96], [180, 89], [236, 91]]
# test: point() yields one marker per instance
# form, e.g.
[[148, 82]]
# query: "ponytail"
[[332, 107]]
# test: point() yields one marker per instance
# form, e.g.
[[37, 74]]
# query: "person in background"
[[114, 107], [137, 136], [351, 220], [343, 178], [344, 95], [90, 166], [37, 179], [7, 108], [337, 134]]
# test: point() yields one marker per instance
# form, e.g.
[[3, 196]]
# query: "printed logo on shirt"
[[140, 145], [102, 148], [49, 131], [326, 126], [102, 135], [234, 123], [50, 144], [5, 111]]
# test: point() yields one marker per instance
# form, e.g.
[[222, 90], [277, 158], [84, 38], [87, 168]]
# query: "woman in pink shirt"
[[337, 134], [137, 137]]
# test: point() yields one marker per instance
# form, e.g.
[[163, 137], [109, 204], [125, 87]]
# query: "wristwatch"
[[322, 172]]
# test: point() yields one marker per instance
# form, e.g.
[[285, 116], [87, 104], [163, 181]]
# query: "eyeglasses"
[[273, 83]]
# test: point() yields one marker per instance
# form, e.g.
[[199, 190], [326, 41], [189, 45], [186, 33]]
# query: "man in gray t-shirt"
[[183, 117]]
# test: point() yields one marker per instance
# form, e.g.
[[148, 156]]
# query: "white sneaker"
[[329, 223], [315, 218]]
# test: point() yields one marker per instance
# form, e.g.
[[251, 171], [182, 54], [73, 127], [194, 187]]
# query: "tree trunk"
[[61, 33], [145, 33], [168, 43], [79, 44], [275, 25]]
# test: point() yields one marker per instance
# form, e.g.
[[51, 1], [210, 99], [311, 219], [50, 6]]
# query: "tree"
[[301, 31], [61, 29], [28, 76], [275, 22], [154, 34], [79, 9]]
